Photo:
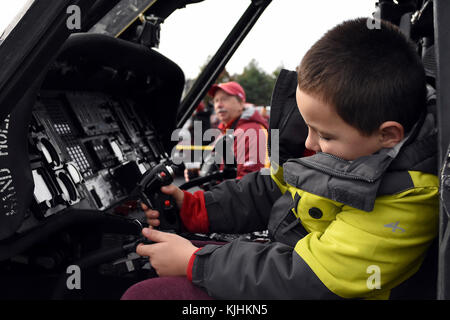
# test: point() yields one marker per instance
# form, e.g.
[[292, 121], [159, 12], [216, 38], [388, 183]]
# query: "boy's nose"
[[311, 143]]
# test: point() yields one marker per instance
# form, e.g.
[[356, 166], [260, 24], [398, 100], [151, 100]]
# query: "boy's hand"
[[170, 255], [153, 215]]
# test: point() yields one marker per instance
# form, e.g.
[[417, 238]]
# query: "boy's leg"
[[165, 288]]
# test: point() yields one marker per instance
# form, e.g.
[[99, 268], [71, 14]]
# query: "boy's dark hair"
[[369, 75]]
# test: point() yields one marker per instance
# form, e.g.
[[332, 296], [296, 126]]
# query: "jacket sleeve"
[[255, 271], [242, 206], [234, 206]]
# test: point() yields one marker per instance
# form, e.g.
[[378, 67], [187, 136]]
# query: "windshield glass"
[[285, 31], [192, 35], [121, 16], [10, 14]]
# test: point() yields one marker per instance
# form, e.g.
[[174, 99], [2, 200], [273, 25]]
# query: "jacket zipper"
[[334, 173]]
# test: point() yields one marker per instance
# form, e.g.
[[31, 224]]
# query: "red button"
[[167, 203], [162, 174]]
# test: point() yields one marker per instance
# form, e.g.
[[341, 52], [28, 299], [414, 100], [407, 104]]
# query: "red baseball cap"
[[232, 88]]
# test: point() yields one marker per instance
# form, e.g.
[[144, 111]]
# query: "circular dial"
[[69, 191], [49, 152]]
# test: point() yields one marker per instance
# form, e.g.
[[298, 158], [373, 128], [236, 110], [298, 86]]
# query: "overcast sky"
[[282, 35], [8, 10]]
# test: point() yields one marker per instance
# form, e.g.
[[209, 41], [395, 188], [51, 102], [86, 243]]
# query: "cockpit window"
[[191, 36], [10, 14], [121, 16]]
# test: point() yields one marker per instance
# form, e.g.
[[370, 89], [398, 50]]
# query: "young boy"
[[354, 220]]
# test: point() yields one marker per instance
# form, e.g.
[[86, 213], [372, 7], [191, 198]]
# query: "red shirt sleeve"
[[193, 213], [190, 265]]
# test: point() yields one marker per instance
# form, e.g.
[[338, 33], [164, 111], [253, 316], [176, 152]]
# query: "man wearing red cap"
[[249, 127]]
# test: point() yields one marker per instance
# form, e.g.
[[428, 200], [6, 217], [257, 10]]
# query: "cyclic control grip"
[[149, 191]]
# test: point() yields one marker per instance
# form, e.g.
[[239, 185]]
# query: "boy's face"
[[328, 133], [227, 107]]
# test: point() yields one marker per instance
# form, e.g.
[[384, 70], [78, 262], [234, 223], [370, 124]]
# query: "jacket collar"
[[230, 125], [354, 183]]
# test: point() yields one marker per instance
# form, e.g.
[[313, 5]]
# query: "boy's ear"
[[391, 133]]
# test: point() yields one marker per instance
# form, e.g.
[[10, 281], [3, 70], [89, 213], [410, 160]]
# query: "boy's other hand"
[[153, 215], [170, 255], [175, 192]]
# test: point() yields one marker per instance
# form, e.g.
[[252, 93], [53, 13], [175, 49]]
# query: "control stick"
[[149, 192]]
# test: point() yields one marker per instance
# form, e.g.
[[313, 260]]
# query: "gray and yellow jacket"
[[338, 229]]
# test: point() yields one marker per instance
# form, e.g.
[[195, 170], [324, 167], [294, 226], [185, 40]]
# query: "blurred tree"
[[258, 84], [276, 72]]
